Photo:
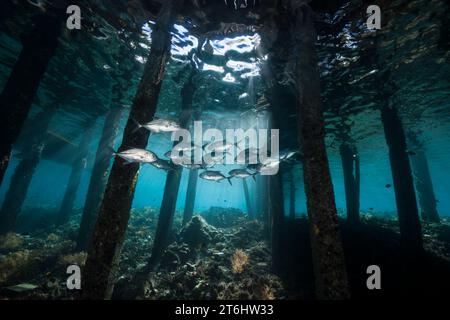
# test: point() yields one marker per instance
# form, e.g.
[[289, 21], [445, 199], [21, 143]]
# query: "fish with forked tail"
[[163, 165], [241, 173], [214, 176], [159, 125], [135, 155]]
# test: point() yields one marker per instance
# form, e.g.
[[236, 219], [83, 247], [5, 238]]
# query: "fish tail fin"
[[138, 125], [135, 130], [111, 151]]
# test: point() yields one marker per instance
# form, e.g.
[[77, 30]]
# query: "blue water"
[[48, 186]]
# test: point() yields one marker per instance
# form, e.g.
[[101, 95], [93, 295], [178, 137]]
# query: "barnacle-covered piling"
[[109, 231], [327, 252]]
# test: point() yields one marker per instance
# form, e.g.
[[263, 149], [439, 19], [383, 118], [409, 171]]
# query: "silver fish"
[[256, 109], [211, 158], [214, 176], [241, 173], [41, 4], [160, 125], [219, 146], [163, 164], [269, 165], [183, 160], [192, 166], [287, 155], [270, 162], [255, 167], [136, 155], [186, 147]]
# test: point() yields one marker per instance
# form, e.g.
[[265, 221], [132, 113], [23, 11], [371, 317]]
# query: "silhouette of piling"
[[405, 196], [276, 214], [291, 196], [191, 191], [350, 166], [78, 167], [262, 183], [99, 176], [190, 196], [38, 47], [422, 180], [251, 214], [23, 173], [165, 219], [424, 187]]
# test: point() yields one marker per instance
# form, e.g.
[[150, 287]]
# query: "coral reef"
[[78, 258], [224, 218], [219, 254], [203, 269], [10, 240], [13, 263], [436, 236], [239, 260], [198, 232]]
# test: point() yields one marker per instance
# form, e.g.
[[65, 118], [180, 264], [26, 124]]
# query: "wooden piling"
[[327, 251], [38, 47], [108, 236]]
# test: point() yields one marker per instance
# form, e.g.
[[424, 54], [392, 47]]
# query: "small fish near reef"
[[388, 185], [214, 176], [136, 155]]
